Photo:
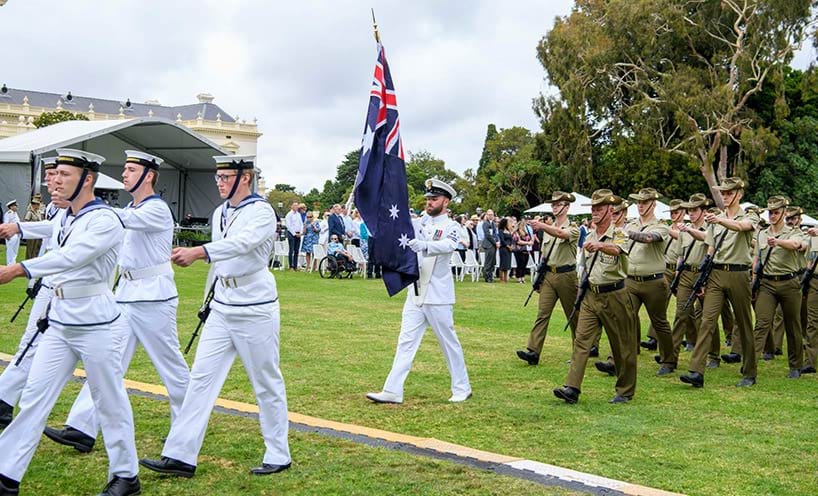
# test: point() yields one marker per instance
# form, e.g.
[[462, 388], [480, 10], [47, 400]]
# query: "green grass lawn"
[[338, 340]]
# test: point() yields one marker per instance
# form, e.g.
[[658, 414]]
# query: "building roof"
[[78, 103]]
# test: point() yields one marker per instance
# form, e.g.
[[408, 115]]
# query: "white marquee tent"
[[185, 179], [582, 207]]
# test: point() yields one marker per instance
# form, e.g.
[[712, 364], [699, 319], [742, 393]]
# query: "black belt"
[[731, 267], [606, 288], [783, 277], [651, 277], [561, 269], [670, 266], [691, 268]]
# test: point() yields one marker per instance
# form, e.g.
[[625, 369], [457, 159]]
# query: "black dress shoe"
[[8, 491], [606, 367], [618, 399], [689, 347], [808, 370], [71, 437], [746, 382], [267, 469], [657, 358], [767, 356], [731, 358], [650, 344], [695, 379], [122, 486], [665, 370], [794, 374], [171, 466], [567, 393], [778, 351], [594, 352], [712, 363], [6, 414], [533, 358]]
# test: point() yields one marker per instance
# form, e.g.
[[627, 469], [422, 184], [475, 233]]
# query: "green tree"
[[338, 190], [49, 118], [284, 187], [422, 165], [680, 72], [285, 198], [485, 157]]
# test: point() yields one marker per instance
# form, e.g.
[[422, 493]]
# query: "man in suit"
[[489, 244], [336, 222]]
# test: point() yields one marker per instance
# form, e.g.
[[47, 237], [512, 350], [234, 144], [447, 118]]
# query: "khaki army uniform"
[[780, 284], [607, 302], [729, 280], [671, 256], [647, 285], [559, 283], [811, 342]]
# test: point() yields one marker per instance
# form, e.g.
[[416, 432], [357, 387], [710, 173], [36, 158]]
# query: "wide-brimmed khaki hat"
[[561, 196], [603, 197], [730, 184], [676, 204], [623, 205], [645, 194], [777, 201], [793, 211], [697, 200]]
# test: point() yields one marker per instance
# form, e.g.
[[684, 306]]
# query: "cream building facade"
[[19, 108]]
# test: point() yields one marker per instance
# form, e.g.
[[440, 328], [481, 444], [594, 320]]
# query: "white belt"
[[73, 292], [235, 282], [156, 270]]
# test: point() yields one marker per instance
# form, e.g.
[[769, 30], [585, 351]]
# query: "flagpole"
[[375, 27]]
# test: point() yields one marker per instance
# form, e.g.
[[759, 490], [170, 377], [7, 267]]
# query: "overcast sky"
[[302, 69]]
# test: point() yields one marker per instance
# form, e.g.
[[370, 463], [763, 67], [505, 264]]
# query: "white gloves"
[[417, 245]]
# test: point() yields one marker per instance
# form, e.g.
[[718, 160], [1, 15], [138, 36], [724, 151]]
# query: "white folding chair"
[[531, 265], [358, 258], [471, 265], [318, 254], [280, 253], [457, 262]]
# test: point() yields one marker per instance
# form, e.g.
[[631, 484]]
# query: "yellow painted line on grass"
[[420, 442]]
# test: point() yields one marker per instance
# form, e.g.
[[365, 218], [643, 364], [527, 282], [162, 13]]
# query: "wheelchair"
[[336, 267]]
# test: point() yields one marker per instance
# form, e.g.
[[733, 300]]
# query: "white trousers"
[[154, 326], [413, 326], [253, 334], [14, 377], [100, 349], [12, 246]]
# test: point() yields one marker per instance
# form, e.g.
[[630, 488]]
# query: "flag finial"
[[375, 27]]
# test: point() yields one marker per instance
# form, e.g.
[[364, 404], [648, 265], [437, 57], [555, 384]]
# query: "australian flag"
[[381, 193]]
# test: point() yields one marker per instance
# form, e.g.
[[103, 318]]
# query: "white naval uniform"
[[147, 296], [432, 307], [244, 320], [13, 243], [14, 376], [87, 328]]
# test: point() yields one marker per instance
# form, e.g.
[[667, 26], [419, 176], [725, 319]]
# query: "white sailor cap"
[[142, 158], [49, 162], [79, 158], [235, 162], [12, 202], [436, 187]]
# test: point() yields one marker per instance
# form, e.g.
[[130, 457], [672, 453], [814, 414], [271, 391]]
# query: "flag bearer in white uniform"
[[13, 243], [436, 238], [14, 376], [244, 321], [146, 294], [84, 324]]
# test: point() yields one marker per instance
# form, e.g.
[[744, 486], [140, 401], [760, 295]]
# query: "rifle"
[[674, 285], [583, 288], [42, 325], [31, 293], [537, 283], [807, 276], [705, 269], [758, 273], [203, 313]]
